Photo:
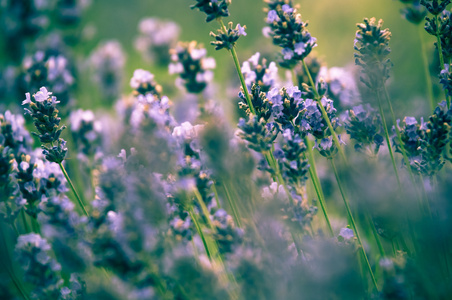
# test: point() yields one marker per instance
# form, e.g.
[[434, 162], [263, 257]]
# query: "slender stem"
[[231, 203], [9, 268], [204, 208], [428, 78], [201, 234], [24, 221], [239, 72], [215, 192], [73, 189], [324, 113], [376, 236], [280, 179], [424, 194], [352, 221], [317, 186], [388, 141]]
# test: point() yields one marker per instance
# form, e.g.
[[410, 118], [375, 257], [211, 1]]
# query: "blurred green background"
[[332, 22]]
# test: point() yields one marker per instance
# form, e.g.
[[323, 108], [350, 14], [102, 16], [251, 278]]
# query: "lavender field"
[[218, 149]]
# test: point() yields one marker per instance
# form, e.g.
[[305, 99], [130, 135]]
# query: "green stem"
[[215, 192], [388, 141], [24, 221], [317, 186], [231, 203], [199, 230], [352, 221], [73, 189], [9, 268], [428, 79], [280, 180], [324, 113], [239, 72], [376, 236]]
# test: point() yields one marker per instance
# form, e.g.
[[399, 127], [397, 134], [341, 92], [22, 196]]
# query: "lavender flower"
[[108, 61], [214, 9], [143, 83], [258, 73], [413, 11], [40, 269], [227, 39], [364, 125], [227, 235], [435, 7], [372, 46], [288, 32], [440, 26], [311, 120], [156, 38], [87, 134], [286, 105], [259, 134], [192, 65], [11, 201], [445, 78], [13, 133], [295, 165], [51, 71], [42, 108], [261, 103]]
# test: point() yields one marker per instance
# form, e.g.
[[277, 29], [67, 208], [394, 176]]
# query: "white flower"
[[140, 76], [208, 63], [42, 95], [175, 68]]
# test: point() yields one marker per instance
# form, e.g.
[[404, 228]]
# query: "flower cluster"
[[364, 125], [13, 133], [372, 50], [435, 7], [143, 83], [259, 134], [20, 22], [11, 201], [107, 61], [156, 38], [86, 132], [286, 105], [40, 269], [190, 62], [289, 32], [42, 108], [54, 72], [261, 104], [441, 27], [445, 78], [227, 37], [214, 9], [341, 86], [295, 165], [413, 11], [259, 73], [425, 143], [227, 234]]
